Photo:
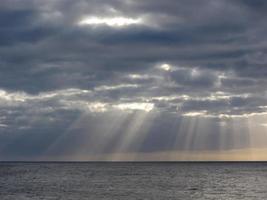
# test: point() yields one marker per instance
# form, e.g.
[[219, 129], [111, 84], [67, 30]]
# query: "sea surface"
[[71, 181]]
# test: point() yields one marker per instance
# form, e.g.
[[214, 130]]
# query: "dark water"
[[21, 181]]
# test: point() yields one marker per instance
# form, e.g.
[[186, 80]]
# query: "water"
[[22, 181]]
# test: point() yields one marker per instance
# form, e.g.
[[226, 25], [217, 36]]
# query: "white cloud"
[[97, 107], [135, 106], [115, 87], [15, 98], [114, 21], [165, 67], [140, 76], [3, 125], [195, 114]]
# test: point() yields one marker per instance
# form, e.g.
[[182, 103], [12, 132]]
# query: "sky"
[[133, 80]]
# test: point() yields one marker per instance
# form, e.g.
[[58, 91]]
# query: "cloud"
[[62, 60], [195, 77]]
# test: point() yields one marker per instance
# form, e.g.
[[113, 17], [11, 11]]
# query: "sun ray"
[[134, 133]]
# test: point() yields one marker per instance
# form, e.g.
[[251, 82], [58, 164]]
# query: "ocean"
[[131, 181]]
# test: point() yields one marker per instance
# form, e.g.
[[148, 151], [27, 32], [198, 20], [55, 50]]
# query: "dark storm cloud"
[[185, 57]]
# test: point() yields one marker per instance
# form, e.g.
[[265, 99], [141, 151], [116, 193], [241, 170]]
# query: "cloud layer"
[[63, 61]]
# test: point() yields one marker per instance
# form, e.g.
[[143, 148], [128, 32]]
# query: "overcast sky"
[[133, 80]]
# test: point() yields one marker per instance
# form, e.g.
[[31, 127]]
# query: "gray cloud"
[[54, 71]]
